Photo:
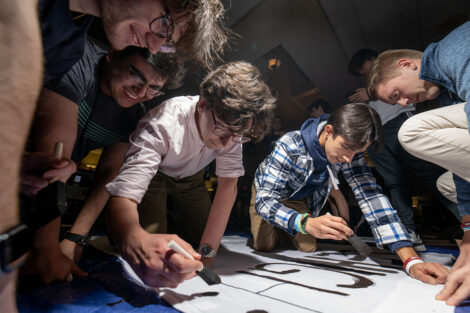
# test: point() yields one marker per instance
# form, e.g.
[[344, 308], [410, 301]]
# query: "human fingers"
[[354, 98], [460, 294], [159, 281], [30, 185], [333, 218], [430, 273], [62, 173], [340, 225], [171, 271], [457, 287], [449, 288], [77, 271], [186, 246], [183, 265], [326, 231]]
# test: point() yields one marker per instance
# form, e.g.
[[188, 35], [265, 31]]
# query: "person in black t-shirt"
[[101, 104]]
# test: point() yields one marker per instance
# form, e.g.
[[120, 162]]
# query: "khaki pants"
[[446, 186], [176, 205], [440, 136], [266, 236]]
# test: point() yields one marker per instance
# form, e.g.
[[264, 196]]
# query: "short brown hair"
[[206, 36], [384, 68], [238, 95]]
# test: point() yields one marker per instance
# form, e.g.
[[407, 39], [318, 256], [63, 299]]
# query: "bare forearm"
[[121, 218], [47, 236], [220, 212], [55, 121], [20, 76], [93, 207], [110, 162]]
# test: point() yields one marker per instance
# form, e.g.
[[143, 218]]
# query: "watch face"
[[206, 251]]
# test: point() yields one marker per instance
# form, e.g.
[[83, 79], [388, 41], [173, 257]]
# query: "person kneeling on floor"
[[302, 170]]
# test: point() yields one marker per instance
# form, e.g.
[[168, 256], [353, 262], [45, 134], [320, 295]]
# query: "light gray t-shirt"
[[388, 112]]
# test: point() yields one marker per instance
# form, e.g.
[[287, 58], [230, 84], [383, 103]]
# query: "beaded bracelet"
[[410, 262]]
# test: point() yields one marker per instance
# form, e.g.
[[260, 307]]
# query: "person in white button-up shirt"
[[170, 148]]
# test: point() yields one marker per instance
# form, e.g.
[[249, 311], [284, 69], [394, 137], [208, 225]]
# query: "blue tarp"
[[106, 289]]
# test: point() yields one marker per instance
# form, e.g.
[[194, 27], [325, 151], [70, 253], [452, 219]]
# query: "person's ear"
[[407, 63], [328, 129]]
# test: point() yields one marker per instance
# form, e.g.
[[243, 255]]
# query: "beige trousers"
[[446, 186], [266, 236], [440, 136]]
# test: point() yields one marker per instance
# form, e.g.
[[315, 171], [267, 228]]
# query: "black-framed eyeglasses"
[[139, 81], [163, 27], [223, 132]]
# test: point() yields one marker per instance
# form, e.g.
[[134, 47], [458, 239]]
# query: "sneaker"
[[416, 241]]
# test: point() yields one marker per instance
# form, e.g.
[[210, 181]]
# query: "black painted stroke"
[[359, 281], [339, 293]]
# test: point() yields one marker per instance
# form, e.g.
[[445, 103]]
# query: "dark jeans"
[[463, 195], [393, 163]]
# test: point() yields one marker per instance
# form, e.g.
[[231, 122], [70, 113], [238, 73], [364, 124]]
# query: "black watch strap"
[[14, 245], [81, 240]]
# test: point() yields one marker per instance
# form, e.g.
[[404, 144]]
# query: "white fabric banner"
[[334, 279]]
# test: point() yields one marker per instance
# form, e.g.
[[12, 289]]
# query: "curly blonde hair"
[[238, 95], [206, 37]]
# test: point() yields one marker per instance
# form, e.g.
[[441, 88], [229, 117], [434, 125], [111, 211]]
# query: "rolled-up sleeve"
[[146, 148]]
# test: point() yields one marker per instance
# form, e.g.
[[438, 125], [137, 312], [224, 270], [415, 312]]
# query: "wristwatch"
[[14, 246], [206, 251], [81, 240]]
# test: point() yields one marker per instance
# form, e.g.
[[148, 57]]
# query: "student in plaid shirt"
[[293, 183]]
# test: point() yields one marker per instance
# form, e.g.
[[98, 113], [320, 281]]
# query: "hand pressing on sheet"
[[429, 273], [359, 96], [457, 287], [155, 263], [47, 260], [328, 227], [38, 169]]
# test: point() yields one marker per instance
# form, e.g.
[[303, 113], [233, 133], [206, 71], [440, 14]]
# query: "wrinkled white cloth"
[[167, 140]]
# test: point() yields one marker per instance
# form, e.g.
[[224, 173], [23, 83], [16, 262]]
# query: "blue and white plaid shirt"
[[286, 170]]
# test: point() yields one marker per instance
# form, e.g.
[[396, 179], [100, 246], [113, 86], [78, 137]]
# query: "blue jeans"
[[393, 163], [463, 195]]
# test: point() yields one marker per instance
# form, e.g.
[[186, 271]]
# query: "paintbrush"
[[358, 244], [208, 275]]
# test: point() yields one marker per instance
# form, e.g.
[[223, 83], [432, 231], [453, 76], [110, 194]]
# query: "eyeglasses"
[[163, 27], [223, 132], [138, 80]]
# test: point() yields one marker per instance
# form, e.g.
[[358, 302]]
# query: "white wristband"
[[411, 263]]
